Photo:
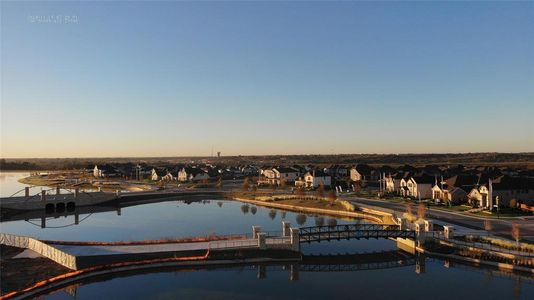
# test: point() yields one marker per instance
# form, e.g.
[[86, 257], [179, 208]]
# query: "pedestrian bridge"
[[352, 231]]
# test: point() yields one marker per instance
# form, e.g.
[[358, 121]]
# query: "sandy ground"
[[19, 273]]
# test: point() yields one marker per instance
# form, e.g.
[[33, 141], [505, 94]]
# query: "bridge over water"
[[76, 255]]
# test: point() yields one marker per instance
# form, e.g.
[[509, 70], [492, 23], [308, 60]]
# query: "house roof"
[[318, 173], [513, 183], [424, 179], [285, 170], [107, 168], [364, 169]]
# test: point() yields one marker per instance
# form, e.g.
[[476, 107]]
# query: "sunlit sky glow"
[[176, 78]]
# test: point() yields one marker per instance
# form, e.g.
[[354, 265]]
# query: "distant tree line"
[[15, 165], [502, 159]]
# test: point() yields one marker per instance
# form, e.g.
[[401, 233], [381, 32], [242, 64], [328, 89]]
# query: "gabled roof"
[[285, 170], [364, 169], [318, 173], [107, 168], [513, 183], [424, 179], [161, 171]]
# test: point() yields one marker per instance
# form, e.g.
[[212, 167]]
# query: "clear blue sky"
[[175, 78]]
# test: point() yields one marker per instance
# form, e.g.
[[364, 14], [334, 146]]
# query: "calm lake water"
[[178, 219]]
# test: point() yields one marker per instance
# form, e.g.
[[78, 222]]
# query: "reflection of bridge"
[[325, 263], [56, 200], [114, 205], [356, 262], [353, 231]]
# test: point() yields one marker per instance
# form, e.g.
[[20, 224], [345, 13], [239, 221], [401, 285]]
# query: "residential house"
[[105, 171], [361, 172], [419, 186], [508, 188], [192, 174], [481, 196], [312, 179], [448, 194], [161, 174], [337, 171], [287, 175], [278, 176], [392, 182]]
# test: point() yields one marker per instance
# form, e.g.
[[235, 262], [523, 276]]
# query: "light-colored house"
[[501, 191], [313, 179], [97, 173], [278, 176], [192, 174], [444, 193], [417, 186], [481, 197], [392, 183], [105, 171], [360, 172], [161, 174], [286, 174]]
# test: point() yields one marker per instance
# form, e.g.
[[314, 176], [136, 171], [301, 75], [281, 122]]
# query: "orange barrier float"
[[148, 242]]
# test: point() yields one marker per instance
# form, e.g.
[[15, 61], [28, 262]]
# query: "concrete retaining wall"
[[45, 250]]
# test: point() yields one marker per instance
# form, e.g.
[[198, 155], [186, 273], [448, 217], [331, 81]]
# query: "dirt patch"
[[17, 274]]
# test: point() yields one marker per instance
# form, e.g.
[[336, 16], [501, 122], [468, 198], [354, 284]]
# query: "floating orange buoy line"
[[148, 242], [74, 274]]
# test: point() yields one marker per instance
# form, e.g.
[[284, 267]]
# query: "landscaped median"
[[316, 205]]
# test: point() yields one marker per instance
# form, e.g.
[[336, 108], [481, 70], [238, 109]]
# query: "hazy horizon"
[[176, 79], [260, 155]]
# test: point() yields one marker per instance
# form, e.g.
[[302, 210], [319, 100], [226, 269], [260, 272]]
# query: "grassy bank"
[[315, 205], [40, 181], [302, 201]]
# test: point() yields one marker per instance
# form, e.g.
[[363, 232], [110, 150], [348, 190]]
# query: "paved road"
[[502, 227]]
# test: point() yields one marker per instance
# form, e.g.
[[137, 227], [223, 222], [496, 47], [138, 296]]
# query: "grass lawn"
[[310, 202], [504, 213], [458, 208], [396, 199], [313, 203], [38, 180]]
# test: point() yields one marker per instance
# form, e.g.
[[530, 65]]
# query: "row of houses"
[[483, 187], [480, 189], [480, 186], [299, 176], [182, 173]]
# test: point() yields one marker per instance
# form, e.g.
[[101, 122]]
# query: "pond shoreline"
[[369, 214]]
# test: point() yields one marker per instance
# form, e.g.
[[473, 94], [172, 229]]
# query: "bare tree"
[[320, 190], [409, 209], [487, 225], [421, 211], [513, 203], [516, 233], [332, 197], [246, 184], [300, 191], [219, 184]]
